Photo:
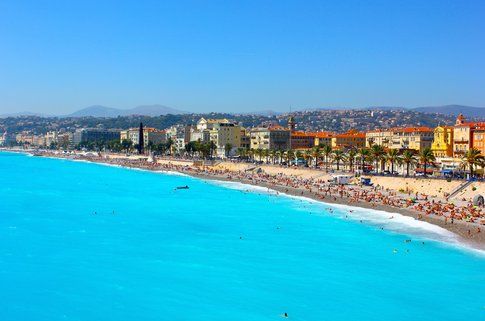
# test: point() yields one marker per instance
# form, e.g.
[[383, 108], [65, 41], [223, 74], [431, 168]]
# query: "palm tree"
[[315, 155], [393, 157], [259, 153], [326, 151], [279, 154], [227, 149], [271, 154], [265, 154], [351, 154], [364, 154], [298, 155], [241, 151], [307, 156], [250, 154], [338, 156], [472, 158], [377, 152], [426, 157], [408, 158], [290, 155]]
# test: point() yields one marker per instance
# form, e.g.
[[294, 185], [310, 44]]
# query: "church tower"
[[460, 120]]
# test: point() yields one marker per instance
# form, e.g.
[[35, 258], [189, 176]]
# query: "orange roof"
[[479, 126], [351, 134], [323, 134], [471, 124], [277, 127], [302, 134], [416, 129], [379, 130]]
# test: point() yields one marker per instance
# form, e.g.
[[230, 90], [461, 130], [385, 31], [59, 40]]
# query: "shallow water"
[[81, 241]]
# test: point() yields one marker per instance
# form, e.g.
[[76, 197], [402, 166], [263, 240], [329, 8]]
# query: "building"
[[245, 139], [442, 145], [91, 135], [478, 138], [415, 138], [50, 138], [323, 138], [463, 135], [226, 136], [302, 140], [272, 137], [381, 137], [153, 135], [350, 139], [197, 135], [203, 123], [65, 140]]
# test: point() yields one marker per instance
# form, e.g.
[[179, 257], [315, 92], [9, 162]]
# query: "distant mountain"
[[153, 110], [468, 111], [103, 111], [96, 111]]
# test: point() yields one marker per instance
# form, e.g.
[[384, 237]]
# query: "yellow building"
[[274, 137], [417, 138], [350, 139], [323, 138], [226, 135], [381, 137], [443, 141]]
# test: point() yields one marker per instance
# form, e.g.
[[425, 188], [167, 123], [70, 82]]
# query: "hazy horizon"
[[59, 57]]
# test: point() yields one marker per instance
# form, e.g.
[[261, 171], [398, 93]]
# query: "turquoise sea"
[[82, 241]]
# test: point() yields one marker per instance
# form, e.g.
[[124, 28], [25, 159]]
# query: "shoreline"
[[459, 228]]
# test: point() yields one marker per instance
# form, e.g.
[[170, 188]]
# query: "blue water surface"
[[82, 241]]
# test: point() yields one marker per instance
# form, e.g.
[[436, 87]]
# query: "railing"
[[459, 188]]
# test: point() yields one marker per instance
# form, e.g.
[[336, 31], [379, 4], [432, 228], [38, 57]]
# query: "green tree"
[[364, 155], [351, 154], [227, 149], [409, 158], [127, 145], [393, 157], [338, 156], [426, 157], [472, 157], [326, 152], [377, 152], [316, 152]]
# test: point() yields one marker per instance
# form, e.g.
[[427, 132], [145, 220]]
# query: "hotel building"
[[273, 137]]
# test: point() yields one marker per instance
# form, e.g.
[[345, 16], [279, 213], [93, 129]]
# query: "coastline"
[[459, 228]]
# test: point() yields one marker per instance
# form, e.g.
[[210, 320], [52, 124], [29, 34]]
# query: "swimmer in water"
[[285, 315]]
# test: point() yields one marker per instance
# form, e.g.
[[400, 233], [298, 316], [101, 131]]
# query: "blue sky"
[[59, 56]]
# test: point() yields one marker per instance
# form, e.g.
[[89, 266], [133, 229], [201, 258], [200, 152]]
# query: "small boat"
[[182, 187]]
